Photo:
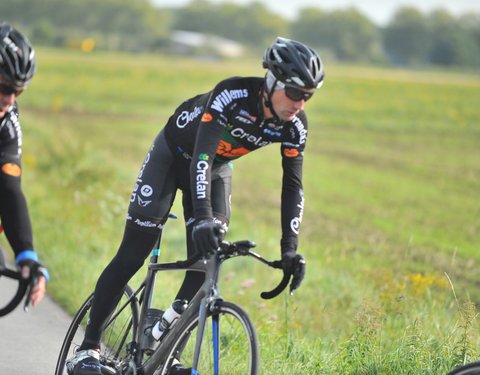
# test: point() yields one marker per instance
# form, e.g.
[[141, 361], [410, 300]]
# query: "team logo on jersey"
[[207, 117], [143, 203], [247, 115], [12, 169], [296, 221], [302, 132], [244, 120], [290, 152], [187, 117], [231, 151], [226, 97], [146, 190]]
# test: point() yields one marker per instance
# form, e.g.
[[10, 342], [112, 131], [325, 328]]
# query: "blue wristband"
[[45, 273], [27, 254]]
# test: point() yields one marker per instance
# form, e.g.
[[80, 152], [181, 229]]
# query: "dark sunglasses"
[[9, 90], [296, 94]]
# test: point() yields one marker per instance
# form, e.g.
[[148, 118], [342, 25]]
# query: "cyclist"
[[194, 153], [17, 67]]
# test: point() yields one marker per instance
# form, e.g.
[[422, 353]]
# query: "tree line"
[[410, 38]]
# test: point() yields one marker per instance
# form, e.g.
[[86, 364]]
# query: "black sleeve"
[[13, 205], [206, 145], [292, 198]]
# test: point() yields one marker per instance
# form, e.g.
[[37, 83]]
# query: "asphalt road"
[[30, 342]]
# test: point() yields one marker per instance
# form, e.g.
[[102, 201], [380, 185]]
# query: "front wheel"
[[468, 369], [116, 335], [229, 346]]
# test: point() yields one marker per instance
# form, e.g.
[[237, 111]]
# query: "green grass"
[[392, 175]]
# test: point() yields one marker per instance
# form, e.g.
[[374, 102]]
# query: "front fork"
[[208, 308]]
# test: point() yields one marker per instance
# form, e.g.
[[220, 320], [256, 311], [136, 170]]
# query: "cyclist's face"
[[285, 107], [8, 94]]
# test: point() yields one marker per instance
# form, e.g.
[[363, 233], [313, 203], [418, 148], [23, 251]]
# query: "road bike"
[[230, 346], [468, 369]]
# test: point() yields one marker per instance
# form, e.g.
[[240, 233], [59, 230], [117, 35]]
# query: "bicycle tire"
[[118, 333], [16, 283], [468, 369], [238, 344]]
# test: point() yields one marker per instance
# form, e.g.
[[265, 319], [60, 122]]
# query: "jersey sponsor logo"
[[226, 97], [207, 117], [139, 178], [201, 185], [144, 223], [273, 133], [187, 117], [296, 221], [272, 125], [244, 120], [148, 224], [146, 190], [301, 129], [11, 169], [230, 151], [143, 203], [242, 134], [247, 115], [290, 152]]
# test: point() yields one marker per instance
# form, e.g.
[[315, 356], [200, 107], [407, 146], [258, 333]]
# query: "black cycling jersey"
[[227, 123], [13, 206], [193, 153]]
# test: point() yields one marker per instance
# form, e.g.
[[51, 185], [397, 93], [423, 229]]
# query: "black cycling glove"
[[294, 264], [207, 236], [30, 259]]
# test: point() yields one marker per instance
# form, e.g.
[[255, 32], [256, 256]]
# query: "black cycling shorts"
[[164, 172]]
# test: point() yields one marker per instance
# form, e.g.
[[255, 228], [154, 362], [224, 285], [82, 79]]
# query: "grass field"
[[391, 225]]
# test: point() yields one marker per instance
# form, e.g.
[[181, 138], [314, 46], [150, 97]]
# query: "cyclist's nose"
[[300, 105]]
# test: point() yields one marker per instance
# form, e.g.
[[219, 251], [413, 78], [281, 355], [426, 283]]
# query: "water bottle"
[[169, 318]]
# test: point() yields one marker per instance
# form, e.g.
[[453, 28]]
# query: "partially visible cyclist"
[[17, 67], [194, 153]]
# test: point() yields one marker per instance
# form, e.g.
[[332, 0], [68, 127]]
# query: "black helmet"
[[293, 63], [17, 58]]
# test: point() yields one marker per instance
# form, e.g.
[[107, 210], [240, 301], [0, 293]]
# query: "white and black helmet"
[[17, 57], [294, 64]]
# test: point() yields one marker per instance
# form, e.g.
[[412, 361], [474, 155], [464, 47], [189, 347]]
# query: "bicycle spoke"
[[115, 336], [229, 347]]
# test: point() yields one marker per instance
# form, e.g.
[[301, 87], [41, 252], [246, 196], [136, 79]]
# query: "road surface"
[[30, 342]]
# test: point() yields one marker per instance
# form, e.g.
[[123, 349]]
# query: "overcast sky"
[[378, 11]]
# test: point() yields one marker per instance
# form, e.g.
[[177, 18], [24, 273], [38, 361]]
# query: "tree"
[[253, 25], [407, 38], [452, 41], [347, 33]]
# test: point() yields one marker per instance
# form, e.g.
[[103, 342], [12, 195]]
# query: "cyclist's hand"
[[38, 291], [30, 267], [294, 264], [207, 236]]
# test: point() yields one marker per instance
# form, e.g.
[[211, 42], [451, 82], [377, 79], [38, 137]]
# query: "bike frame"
[[201, 304]]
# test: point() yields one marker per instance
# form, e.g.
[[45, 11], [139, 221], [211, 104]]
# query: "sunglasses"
[[9, 90], [296, 94]]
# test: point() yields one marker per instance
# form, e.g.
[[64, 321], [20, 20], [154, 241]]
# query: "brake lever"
[[33, 281]]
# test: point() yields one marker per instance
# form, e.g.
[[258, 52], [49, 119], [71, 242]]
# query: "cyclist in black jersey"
[[194, 153], [17, 67]]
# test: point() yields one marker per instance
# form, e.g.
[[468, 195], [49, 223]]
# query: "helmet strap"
[[268, 100]]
